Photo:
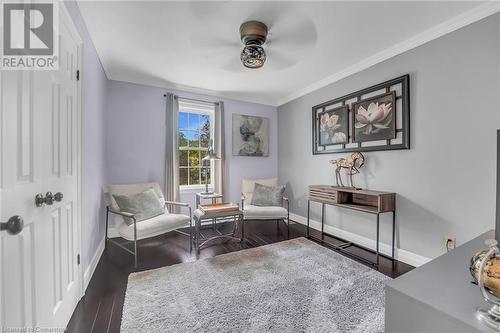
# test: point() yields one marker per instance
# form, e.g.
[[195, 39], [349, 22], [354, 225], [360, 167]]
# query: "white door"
[[40, 279]]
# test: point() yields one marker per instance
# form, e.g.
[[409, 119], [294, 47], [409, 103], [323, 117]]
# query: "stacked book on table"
[[225, 207]]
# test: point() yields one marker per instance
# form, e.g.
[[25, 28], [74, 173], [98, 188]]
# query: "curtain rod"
[[193, 99]]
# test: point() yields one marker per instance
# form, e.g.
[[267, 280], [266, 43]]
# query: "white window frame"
[[203, 108]]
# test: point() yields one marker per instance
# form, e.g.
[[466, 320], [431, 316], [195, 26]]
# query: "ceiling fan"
[[286, 38], [253, 35]]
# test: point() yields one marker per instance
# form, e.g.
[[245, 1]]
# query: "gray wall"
[[93, 154], [136, 139], [497, 225], [446, 182]]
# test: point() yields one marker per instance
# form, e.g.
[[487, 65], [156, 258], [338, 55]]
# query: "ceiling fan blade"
[[301, 35], [233, 65], [204, 41], [278, 60], [205, 9]]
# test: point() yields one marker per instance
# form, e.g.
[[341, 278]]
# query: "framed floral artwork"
[[334, 126], [371, 119], [375, 118]]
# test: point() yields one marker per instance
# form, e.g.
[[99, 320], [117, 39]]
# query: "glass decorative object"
[[485, 269]]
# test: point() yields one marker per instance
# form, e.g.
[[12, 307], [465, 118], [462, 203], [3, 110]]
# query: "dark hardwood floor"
[[101, 309]]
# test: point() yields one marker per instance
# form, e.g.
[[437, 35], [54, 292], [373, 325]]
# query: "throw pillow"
[[144, 205], [267, 195]]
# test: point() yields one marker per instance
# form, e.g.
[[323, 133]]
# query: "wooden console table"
[[372, 202]]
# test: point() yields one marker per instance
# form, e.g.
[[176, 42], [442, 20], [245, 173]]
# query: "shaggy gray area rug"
[[291, 286]]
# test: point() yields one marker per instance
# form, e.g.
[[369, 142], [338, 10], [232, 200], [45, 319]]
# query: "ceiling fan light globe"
[[253, 56]]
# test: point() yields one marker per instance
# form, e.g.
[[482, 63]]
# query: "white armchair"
[[151, 227], [251, 212]]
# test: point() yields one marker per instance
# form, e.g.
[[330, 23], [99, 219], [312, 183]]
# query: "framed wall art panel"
[[334, 126], [372, 119], [250, 135]]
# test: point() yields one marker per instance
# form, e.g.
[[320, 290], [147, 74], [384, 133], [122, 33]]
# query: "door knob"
[[58, 196], [48, 199], [39, 200], [14, 225]]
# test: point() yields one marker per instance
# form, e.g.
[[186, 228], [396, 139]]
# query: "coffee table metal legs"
[[242, 230], [196, 236], [201, 241]]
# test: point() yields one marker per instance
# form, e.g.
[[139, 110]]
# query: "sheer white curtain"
[[172, 192], [219, 171]]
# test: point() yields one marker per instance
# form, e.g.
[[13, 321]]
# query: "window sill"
[[194, 189]]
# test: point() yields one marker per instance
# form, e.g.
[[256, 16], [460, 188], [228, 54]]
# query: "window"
[[195, 129]]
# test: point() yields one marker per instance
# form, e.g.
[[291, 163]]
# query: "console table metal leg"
[[378, 236], [322, 221], [308, 212], [393, 233]]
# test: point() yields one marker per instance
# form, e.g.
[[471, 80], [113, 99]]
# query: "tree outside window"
[[194, 138]]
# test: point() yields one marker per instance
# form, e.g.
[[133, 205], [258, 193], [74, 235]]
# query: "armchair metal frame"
[[284, 199], [132, 216]]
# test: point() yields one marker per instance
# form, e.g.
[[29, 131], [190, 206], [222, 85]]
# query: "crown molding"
[[435, 32], [189, 91]]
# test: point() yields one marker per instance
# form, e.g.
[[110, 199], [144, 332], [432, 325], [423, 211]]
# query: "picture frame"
[[250, 135], [374, 118], [333, 126], [400, 86]]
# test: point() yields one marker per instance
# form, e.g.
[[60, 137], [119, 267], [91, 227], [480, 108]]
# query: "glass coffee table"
[[208, 196], [234, 216]]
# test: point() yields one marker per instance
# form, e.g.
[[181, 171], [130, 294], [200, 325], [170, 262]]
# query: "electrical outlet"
[[451, 243]]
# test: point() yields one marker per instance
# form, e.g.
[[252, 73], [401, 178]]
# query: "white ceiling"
[[195, 46]]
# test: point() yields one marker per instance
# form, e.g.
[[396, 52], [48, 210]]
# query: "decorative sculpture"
[[484, 268], [352, 164]]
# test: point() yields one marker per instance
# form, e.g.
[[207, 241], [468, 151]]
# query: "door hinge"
[[78, 75], [78, 259]]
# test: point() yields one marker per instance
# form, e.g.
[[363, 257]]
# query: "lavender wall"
[[124, 139], [94, 106], [135, 138], [241, 167]]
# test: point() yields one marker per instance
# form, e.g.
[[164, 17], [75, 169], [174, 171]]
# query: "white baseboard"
[[93, 264], [400, 254]]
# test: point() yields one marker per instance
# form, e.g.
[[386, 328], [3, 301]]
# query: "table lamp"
[[211, 156]]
